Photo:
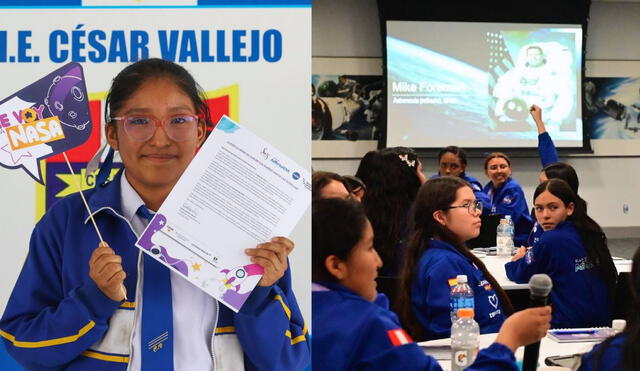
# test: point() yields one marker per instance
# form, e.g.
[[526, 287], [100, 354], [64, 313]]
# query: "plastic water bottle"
[[465, 334], [461, 297], [512, 232], [504, 240]]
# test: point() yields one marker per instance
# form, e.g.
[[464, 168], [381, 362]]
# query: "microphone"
[[539, 287]]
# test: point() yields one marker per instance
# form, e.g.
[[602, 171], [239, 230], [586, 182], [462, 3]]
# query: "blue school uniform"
[[548, 155], [476, 186], [352, 333], [437, 270], [611, 358], [580, 297], [509, 199]]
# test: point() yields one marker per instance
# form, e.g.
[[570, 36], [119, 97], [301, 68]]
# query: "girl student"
[[506, 196], [393, 176], [68, 309], [573, 252], [354, 329], [620, 352], [446, 214], [452, 161]]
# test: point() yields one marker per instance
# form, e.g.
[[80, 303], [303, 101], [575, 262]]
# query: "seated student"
[[353, 327], [573, 252], [506, 195], [620, 352], [393, 176], [446, 214], [452, 161], [68, 311], [325, 184], [558, 170], [552, 169]]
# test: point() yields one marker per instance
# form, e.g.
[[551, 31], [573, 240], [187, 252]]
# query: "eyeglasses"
[[141, 128], [473, 207]]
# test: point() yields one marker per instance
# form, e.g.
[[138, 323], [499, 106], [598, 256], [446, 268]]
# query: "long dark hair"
[[593, 238], [392, 184], [630, 357], [134, 75], [435, 194], [566, 172], [337, 226]]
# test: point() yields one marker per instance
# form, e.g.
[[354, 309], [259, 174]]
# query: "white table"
[[495, 265], [440, 349]]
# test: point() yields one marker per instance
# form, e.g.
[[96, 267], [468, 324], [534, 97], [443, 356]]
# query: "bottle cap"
[[507, 217], [461, 278], [618, 325], [465, 313]]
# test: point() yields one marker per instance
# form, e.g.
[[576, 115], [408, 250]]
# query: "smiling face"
[[498, 171], [450, 164], [463, 224], [360, 270], [551, 211], [158, 162]]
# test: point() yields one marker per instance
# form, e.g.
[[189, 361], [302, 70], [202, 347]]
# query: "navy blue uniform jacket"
[[437, 270], [579, 295], [352, 333], [611, 356]]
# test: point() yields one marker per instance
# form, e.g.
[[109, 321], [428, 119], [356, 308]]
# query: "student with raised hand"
[[353, 327], [393, 176], [68, 309], [573, 252], [546, 148], [620, 352], [506, 195], [446, 214], [452, 161]]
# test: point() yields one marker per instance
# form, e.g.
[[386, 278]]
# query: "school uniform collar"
[[131, 200], [105, 198]]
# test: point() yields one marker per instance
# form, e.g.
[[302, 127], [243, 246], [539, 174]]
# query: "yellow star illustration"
[[196, 266]]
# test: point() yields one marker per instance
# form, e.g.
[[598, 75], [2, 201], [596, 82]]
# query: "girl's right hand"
[[525, 327], [105, 269]]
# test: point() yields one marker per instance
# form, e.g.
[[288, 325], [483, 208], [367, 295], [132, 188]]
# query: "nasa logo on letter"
[[295, 175]]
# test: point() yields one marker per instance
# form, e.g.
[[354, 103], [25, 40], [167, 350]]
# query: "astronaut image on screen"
[[542, 76]]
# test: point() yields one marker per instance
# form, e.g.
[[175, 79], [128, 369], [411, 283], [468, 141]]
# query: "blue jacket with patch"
[[437, 270], [476, 186], [611, 356], [509, 199], [58, 319], [580, 297], [352, 333]]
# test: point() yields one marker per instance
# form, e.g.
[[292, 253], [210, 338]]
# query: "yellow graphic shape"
[[196, 267], [84, 181], [233, 91]]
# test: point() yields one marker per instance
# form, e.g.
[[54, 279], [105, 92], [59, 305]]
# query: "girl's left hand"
[[272, 256], [519, 253]]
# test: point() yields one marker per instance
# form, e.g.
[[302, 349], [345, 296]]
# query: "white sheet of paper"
[[237, 192]]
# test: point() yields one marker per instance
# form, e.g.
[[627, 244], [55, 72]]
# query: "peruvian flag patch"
[[399, 337]]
